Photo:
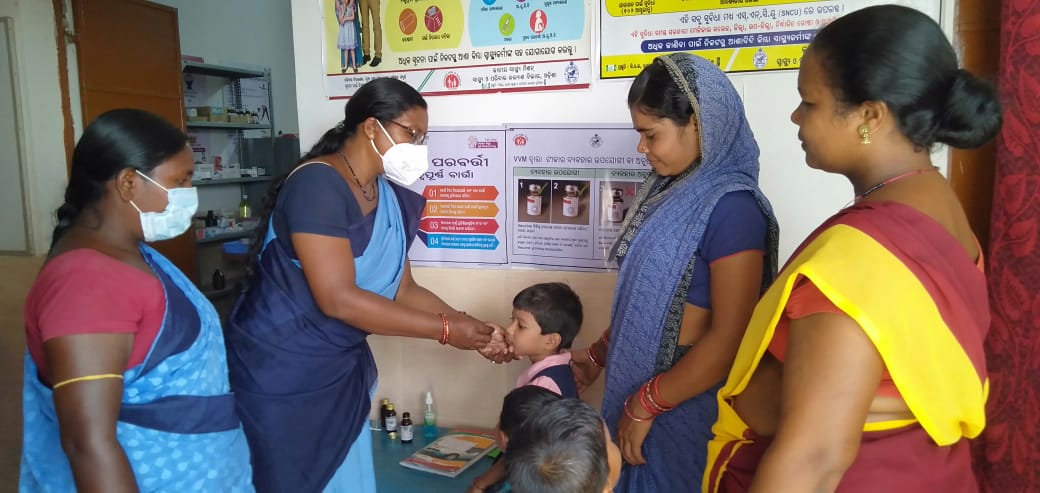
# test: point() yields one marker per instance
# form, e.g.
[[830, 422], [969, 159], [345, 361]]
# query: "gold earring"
[[864, 134]]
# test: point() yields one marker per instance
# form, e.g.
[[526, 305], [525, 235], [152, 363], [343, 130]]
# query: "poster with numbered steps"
[[465, 215]]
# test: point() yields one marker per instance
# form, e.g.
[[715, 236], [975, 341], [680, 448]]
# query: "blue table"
[[392, 477]]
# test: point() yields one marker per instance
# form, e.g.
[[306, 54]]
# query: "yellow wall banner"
[[738, 35]]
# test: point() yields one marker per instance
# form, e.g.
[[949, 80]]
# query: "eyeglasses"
[[417, 138]]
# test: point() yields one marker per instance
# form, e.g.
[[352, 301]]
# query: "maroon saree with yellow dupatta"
[[922, 301]]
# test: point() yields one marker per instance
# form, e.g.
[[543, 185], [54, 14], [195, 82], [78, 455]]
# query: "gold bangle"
[[85, 378]]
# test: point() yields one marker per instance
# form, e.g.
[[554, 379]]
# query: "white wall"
[[36, 61], [13, 220], [254, 32], [801, 197]]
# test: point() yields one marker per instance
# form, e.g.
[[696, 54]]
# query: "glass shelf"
[[220, 70], [230, 181], [233, 235], [229, 126]]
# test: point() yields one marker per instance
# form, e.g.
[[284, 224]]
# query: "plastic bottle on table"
[[429, 418]]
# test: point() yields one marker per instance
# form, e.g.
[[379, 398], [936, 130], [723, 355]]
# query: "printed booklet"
[[451, 454]]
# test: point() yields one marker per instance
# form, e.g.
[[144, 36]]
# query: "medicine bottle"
[[382, 413], [219, 281], [391, 419], [407, 432]]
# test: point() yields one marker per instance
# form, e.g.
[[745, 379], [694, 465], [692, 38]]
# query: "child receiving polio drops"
[[546, 319]]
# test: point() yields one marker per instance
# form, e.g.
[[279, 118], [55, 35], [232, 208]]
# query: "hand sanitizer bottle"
[[429, 418]]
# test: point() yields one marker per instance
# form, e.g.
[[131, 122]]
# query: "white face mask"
[[175, 219], [405, 162]]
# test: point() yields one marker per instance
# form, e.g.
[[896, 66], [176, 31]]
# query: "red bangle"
[[646, 405], [603, 338], [655, 393], [649, 405], [592, 357], [633, 416], [445, 331], [644, 392]]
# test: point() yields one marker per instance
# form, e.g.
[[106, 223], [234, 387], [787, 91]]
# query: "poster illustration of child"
[[349, 35]]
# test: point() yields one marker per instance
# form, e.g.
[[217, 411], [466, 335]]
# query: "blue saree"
[[302, 380], [177, 423], [656, 260]]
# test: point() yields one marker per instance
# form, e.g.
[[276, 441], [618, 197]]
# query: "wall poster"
[[571, 188], [738, 35], [457, 46], [465, 214], [550, 196]]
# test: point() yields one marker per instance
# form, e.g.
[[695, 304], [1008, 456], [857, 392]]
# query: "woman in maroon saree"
[[862, 368]]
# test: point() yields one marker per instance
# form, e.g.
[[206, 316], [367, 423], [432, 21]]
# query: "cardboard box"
[[197, 113], [203, 172], [217, 114], [235, 116], [231, 170]]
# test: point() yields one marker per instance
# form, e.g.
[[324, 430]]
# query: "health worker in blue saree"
[[126, 382], [332, 268], [696, 250]]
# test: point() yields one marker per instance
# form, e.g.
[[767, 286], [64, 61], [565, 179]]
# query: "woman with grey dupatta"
[[695, 252]]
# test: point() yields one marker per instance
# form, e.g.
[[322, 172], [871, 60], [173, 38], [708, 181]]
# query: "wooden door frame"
[[971, 171], [63, 34], [101, 88]]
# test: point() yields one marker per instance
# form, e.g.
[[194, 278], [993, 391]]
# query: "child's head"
[[564, 448], [546, 318], [520, 404]]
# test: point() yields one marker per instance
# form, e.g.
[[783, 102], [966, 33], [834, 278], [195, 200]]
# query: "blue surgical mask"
[[175, 219]]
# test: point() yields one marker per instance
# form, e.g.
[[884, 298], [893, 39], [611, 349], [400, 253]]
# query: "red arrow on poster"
[[449, 225], [460, 192]]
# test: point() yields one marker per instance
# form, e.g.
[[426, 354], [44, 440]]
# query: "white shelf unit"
[[250, 150]]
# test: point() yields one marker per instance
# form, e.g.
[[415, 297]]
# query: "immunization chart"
[[464, 217]]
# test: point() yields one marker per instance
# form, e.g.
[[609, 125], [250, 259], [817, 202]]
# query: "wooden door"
[[971, 170], [129, 56]]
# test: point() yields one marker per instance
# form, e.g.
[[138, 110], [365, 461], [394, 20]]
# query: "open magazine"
[[451, 454]]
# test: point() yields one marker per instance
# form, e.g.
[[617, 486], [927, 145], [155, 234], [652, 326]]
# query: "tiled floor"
[[16, 275]]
